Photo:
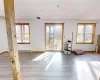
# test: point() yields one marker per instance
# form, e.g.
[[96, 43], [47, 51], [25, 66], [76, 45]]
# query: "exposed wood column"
[[11, 34]]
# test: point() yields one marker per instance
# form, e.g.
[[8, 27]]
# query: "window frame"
[[93, 34], [21, 24]]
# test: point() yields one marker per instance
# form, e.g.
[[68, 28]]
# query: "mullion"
[[49, 33], [21, 33], [92, 32], [84, 33], [53, 38]]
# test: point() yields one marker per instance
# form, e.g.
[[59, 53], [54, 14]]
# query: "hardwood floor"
[[53, 66]]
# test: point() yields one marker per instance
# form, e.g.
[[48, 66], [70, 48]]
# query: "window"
[[86, 33], [23, 33]]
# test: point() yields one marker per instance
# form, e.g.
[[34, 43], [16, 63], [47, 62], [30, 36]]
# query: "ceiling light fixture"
[[38, 17], [58, 6]]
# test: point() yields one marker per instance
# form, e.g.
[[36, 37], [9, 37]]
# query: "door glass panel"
[[54, 37], [49, 37], [58, 37]]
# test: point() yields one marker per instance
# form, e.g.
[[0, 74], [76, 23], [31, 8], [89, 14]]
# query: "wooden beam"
[[11, 34]]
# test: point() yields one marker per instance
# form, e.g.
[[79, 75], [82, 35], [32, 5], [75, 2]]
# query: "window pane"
[[26, 27], [80, 38], [89, 28], [23, 30], [18, 29], [88, 38], [80, 28], [26, 38], [18, 37]]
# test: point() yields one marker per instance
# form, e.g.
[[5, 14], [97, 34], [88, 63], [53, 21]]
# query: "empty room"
[[49, 40]]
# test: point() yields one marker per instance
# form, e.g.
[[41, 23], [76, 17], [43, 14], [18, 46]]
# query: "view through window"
[[23, 33], [86, 33]]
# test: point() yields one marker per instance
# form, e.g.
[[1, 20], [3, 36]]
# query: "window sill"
[[84, 43], [23, 43]]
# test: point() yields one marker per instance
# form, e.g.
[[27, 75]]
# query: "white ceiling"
[[47, 9]]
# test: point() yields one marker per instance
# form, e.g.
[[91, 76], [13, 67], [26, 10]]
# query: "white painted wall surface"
[[3, 37], [69, 27], [38, 38]]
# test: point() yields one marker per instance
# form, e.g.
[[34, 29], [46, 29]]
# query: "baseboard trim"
[[24, 50], [3, 52], [38, 51], [90, 51]]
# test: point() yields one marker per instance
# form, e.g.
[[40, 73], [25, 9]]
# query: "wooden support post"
[[11, 34]]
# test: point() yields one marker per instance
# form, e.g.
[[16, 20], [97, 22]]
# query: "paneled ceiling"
[[56, 9]]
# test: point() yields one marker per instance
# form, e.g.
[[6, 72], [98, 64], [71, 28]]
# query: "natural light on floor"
[[88, 70], [56, 57], [40, 57]]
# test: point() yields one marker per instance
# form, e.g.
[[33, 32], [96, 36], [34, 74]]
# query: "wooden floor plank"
[[52, 66]]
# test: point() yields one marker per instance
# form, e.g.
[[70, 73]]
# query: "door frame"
[[62, 36]]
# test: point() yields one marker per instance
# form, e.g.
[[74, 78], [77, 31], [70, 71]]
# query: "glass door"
[[54, 37]]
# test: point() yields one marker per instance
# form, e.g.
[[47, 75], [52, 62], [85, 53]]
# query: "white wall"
[[69, 27], [3, 37], [38, 38]]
